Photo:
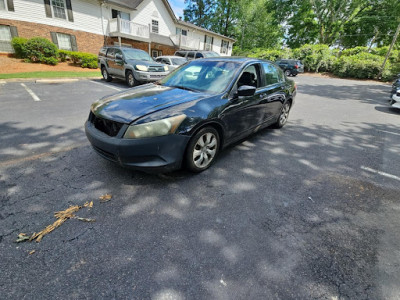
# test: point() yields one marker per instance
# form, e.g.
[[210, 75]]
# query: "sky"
[[177, 7]]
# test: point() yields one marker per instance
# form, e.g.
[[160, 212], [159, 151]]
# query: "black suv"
[[291, 67], [133, 65], [195, 54]]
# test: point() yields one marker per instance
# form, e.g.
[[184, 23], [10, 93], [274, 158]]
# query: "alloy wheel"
[[205, 150]]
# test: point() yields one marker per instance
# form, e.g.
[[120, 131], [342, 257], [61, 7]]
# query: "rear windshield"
[[178, 61], [210, 54], [136, 54]]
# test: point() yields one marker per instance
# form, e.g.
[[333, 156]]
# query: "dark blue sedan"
[[190, 115]]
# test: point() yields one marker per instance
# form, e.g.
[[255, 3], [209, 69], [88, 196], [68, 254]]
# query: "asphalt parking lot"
[[310, 211]]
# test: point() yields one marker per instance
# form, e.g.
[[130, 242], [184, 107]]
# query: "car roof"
[[169, 56], [238, 59]]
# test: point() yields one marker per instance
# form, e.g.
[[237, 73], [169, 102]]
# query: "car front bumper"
[[395, 101], [149, 76], [155, 154]]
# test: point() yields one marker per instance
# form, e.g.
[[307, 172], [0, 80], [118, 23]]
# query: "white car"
[[171, 61], [395, 101]]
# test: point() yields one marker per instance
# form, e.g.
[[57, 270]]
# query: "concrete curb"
[[48, 80]]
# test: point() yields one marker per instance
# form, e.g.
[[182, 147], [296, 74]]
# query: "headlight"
[[141, 68], [166, 68], [155, 128]]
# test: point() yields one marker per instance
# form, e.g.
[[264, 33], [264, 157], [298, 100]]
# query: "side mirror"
[[118, 56], [246, 90]]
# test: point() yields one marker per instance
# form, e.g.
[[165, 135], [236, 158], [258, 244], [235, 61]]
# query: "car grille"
[[109, 127], [156, 68]]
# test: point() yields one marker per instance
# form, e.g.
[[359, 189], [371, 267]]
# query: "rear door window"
[[271, 74], [110, 53], [190, 55]]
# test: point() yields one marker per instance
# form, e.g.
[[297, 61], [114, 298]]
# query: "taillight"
[[296, 66]]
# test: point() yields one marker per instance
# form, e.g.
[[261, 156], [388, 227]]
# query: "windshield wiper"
[[184, 88]]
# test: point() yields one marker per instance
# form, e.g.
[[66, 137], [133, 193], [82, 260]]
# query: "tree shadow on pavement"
[[282, 215]]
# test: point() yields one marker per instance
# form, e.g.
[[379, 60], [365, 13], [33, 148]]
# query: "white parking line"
[[109, 86], [381, 173], [34, 96]]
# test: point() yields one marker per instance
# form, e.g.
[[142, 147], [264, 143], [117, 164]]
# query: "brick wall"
[[87, 42]]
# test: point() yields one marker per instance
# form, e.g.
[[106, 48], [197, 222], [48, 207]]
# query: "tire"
[[107, 77], [288, 73], [202, 149], [284, 115], [130, 79]]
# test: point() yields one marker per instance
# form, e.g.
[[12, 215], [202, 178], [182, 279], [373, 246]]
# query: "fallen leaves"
[[105, 198], [61, 217], [22, 237]]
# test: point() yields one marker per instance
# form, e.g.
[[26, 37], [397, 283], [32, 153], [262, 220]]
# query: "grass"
[[50, 74]]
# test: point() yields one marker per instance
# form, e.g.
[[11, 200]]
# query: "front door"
[[243, 115]]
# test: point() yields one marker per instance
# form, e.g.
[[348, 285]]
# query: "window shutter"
[[69, 11], [14, 31], [47, 8], [54, 38], [74, 45], [212, 42], [10, 5]]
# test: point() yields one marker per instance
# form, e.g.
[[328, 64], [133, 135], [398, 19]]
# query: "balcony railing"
[[130, 28], [183, 41]]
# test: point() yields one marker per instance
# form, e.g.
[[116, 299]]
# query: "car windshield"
[[137, 54], [203, 76], [178, 61], [210, 54]]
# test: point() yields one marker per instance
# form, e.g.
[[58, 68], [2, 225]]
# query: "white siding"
[[145, 13], [86, 14]]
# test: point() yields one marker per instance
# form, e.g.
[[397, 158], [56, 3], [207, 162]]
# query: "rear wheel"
[[288, 73], [130, 79], [105, 74], [202, 149], [284, 116]]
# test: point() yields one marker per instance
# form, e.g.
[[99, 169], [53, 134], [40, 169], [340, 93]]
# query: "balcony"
[[128, 29], [185, 42]]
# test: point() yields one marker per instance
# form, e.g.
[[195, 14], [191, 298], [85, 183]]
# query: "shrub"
[[362, 66], [40, 49], [64, 55], [50, 60], [19, 45], [85, 60]]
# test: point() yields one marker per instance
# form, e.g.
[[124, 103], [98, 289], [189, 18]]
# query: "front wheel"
[[105, 74], [202, 149], [130, 79], [284, 116]]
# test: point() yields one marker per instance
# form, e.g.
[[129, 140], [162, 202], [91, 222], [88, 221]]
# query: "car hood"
[[128, 106], [146, 63]]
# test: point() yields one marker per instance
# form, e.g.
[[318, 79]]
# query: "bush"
[[85, 60], [50, 60], [40, 50], [19, 45], [362, 66], [64, 55]]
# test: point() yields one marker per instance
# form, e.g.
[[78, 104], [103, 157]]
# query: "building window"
[[224, 47], [58, 9], [208, 43], [3, 5], [155, 53], [181, 31], [5, 39], [154, 26], [64, 41], [122, 15]]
